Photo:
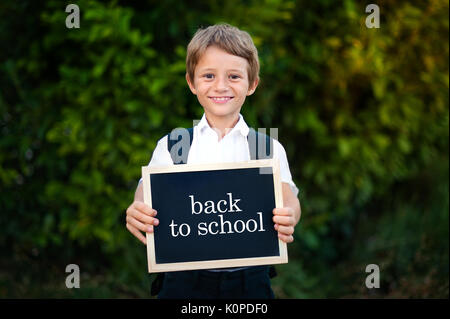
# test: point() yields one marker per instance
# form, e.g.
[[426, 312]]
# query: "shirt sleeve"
[[285, 172], [161, 156]]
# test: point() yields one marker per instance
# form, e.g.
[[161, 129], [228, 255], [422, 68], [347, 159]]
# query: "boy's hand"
[[285, 221], [141, 217]]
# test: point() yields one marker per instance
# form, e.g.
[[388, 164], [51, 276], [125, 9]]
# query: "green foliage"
[[362, 113]]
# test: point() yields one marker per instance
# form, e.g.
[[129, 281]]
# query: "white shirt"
[[233, 147]]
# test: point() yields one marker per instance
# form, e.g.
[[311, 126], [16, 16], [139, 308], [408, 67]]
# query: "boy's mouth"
[[220, 99]]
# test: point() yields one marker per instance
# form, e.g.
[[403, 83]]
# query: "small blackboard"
[[214, 215]]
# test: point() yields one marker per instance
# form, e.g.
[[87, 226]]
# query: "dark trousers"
[[249, 283]]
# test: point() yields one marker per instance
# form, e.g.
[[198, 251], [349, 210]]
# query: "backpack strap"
[[254, 139], [178, 157], [257, 139], [157, 284]]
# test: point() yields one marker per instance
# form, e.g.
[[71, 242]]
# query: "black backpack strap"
[[157, 284], [178, 155], [272, 272], [257, 140]]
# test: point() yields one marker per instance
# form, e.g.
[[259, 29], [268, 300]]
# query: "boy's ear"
[[191, 85], [252, 89]]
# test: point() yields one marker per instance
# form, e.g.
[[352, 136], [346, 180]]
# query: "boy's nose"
[[221, 84]]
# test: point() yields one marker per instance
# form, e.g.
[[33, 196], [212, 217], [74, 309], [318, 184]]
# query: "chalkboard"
[[214, 215]]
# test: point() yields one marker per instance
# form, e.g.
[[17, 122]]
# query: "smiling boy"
[[222, 69]]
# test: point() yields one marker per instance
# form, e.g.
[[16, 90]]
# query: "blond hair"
[[228, 38]]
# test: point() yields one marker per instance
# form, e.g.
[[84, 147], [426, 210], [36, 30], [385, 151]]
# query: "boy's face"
[[221, 84]]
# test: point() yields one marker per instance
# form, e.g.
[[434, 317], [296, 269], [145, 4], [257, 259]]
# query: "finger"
[[136, 233], [137, 224], [285, 230], [143, 218], [285, 238], [284, 220], [144, 208], [285, 211]]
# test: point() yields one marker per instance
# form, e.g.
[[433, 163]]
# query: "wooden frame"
[[212, 264]]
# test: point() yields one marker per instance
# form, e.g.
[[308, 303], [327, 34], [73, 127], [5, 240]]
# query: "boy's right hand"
[[141, 217]]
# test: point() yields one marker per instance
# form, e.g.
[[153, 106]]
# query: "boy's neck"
[[222, 125]]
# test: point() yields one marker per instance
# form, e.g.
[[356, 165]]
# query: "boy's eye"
[[209, 75], [234, 77]]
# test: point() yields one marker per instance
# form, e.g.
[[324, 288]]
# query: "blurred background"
[[363, 114]]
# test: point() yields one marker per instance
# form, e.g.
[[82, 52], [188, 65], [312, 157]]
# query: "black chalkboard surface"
[[214, 215]]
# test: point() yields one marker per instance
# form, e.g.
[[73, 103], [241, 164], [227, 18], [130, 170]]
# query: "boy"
[[222, 70]]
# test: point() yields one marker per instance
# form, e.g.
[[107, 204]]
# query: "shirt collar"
[[240, 126]]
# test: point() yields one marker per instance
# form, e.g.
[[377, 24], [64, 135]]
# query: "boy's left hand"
[[284, 219]]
